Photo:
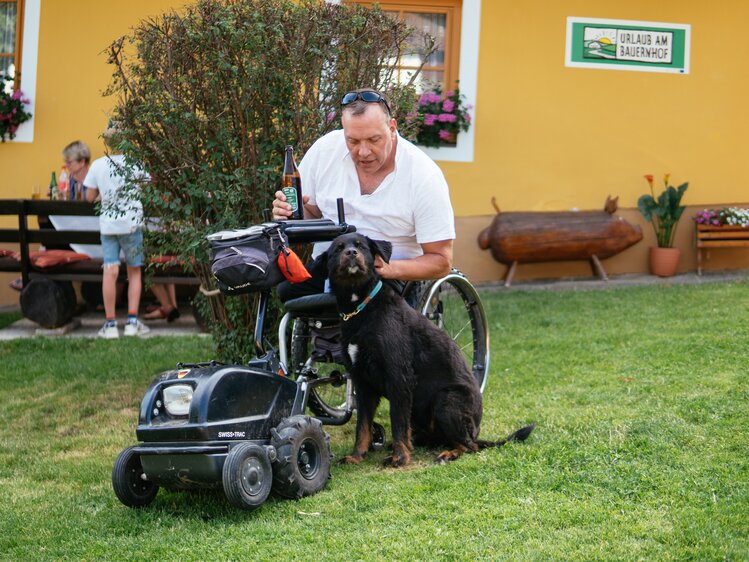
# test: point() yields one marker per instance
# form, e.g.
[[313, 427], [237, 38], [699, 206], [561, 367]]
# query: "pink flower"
[[429, 119], [330, 116], [16, 95], [446, 118], [448, 106], [444, 135]]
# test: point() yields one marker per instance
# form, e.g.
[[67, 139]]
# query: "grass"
[[640, 396]]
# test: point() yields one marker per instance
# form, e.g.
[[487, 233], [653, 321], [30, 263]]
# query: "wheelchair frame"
[[431, 304]]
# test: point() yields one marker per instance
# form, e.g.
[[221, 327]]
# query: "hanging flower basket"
[[12, 111], [440, 117]]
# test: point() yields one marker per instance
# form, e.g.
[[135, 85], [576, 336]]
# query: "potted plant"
[[12, 111], [440, 117], [664, 214]]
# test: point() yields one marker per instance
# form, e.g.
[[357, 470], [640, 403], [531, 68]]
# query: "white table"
[[69, 222]]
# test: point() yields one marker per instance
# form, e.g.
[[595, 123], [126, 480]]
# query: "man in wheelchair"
[[391, 191]]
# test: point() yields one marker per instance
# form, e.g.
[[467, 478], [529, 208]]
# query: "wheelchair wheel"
[[330, 398], [453, 305]]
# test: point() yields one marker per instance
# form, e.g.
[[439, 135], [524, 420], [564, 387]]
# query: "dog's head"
[[350, 259]]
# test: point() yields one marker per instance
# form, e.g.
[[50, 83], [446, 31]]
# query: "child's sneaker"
[[136, 328], [109, 331]]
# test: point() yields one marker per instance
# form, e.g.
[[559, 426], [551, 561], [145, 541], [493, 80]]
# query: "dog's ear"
[[319, 265], [381, 248]]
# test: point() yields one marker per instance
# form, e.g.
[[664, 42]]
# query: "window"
[[441, 20], [459, 61], [11, 35]]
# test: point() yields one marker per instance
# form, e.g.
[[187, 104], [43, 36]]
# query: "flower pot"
[[664, 261]]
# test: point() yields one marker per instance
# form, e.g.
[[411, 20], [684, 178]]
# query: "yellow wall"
[[550, 137]]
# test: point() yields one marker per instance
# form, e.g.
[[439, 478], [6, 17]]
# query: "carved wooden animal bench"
[[528, 237]]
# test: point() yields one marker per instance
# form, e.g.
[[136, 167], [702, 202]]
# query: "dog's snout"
[[350, 251]]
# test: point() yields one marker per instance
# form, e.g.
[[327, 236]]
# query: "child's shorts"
[[130, 244]]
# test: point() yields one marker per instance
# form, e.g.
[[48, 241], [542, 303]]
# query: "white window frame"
[[30, 52], [470, 25]]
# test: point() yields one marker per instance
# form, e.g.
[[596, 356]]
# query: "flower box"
[[440, 117], [724, 236]]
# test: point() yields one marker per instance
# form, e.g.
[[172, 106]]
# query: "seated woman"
[[77, 156], [77, 160]]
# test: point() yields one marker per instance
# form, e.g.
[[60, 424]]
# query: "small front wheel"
[[247, 476], [131, 486], [302, 466]]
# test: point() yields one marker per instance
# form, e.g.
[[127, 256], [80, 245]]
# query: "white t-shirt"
[[410, 207], [121, 212]]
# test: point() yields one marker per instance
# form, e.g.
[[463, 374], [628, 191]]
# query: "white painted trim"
[[469, 66], [30, 54]]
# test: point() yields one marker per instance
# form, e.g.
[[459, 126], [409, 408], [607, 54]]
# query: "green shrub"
[[207, 99]]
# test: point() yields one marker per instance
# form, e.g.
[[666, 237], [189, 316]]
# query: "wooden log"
[[529, 237], [51, 304]]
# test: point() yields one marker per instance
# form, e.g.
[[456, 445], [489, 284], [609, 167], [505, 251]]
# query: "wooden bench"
[[53, 299], [709, 237]]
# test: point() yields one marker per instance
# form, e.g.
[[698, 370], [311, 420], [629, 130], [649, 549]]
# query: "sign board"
[[628, 45]]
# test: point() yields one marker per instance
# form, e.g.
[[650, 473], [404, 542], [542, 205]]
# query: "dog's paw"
[[443, 458], [396, 461], [351, 459], [450, 455]]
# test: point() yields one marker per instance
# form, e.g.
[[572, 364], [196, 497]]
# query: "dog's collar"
[[348, 316]]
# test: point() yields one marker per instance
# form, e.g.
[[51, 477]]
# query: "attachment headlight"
[[177, 399]]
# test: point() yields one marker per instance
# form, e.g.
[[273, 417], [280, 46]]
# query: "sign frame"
[[642, 46]]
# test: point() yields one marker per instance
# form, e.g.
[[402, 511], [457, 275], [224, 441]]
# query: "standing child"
[[121, 225]]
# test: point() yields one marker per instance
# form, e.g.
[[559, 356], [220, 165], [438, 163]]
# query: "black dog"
[[392, 351]]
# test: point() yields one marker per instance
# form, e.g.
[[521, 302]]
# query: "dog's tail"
[[520, 435]]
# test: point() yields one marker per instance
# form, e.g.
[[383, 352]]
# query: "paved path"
[[91, 322]]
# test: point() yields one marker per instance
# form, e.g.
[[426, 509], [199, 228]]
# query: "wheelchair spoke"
[[455, 307]]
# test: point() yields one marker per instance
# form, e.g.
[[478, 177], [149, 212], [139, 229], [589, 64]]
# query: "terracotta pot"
[[664, 261]]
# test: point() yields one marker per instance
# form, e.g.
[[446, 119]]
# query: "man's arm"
[[436, 262]]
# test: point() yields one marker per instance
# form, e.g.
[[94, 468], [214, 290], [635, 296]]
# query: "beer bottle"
[[53, 187], [292, 185]]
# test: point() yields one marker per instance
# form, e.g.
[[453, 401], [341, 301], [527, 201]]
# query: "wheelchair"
[[308, 350], [310, 325]]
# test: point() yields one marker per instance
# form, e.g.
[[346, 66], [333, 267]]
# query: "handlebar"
[[317, 230], [314, 230]]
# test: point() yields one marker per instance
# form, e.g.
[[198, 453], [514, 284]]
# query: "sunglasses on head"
[[369, 97]]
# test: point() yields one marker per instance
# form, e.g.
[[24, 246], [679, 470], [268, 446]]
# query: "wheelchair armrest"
[[323, 302]]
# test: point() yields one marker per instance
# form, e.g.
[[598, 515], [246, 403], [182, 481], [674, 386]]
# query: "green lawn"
[[640, 453]]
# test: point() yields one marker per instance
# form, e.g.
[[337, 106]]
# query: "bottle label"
[[291, 199]]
